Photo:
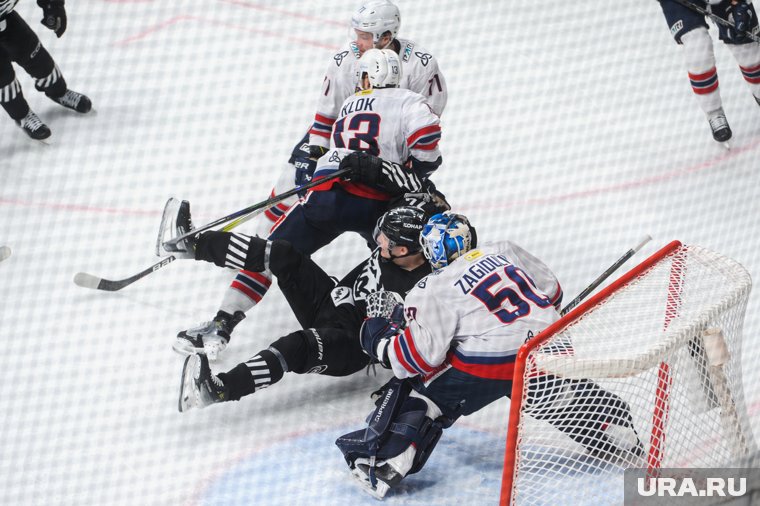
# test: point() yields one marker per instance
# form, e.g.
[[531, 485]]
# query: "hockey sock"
[[748, 58], [13, 101], [700, 64], [245, 291]]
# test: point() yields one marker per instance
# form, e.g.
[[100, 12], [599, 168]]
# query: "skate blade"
[[167, 225], [187, 397], [363, 480]]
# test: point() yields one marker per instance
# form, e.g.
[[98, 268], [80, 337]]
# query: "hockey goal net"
[[645, 374]]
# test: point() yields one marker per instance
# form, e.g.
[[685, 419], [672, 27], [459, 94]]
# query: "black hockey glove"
[[54, 15], [375, 336], [742, 21], [374, 171]]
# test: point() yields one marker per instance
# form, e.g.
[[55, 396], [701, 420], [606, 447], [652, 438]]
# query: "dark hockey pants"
[[18, 43], [328, 342]]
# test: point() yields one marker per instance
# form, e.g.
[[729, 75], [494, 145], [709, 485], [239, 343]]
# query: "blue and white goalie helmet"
[[382, 67], [445, 237], [377, 17]]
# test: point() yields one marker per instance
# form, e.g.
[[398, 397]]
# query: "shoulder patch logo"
[[355, 49], [339, 57], [340, 295], [424, 58], [407, 52], [472, 255], [334, 157]]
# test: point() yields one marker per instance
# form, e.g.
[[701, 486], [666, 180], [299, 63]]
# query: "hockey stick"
[[266, 204], [606, 274], [86, 280], [719, 20]]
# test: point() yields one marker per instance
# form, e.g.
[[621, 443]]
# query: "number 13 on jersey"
[[358, 133]]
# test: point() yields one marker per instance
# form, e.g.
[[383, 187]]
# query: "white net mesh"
[[648, 378]]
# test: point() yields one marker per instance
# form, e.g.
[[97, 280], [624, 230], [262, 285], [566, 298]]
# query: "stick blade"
[[87, 280], [5, 252]]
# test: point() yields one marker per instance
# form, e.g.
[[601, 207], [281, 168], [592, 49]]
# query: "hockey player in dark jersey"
[[18, 43], [330, 315]]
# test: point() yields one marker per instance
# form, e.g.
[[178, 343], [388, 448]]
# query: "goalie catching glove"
[[376, 333], [374, 171]]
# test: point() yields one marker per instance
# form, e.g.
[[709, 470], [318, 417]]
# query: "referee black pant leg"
[[25, 48]]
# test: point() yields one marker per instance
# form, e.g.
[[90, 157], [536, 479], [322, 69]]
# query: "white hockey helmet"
[[377, 17], [382, 66]]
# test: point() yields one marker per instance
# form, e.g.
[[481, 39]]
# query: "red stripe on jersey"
[[750, 70], [416, 354], [421, 133], [326, 120], [237, 285], [427, 147], [400, 357], [496, 371], [320, 133]]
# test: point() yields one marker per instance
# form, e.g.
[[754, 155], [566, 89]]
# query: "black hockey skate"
[[74, 101], [33, 126], [210, 337], [176, 221], [719, 124], [199, 387]]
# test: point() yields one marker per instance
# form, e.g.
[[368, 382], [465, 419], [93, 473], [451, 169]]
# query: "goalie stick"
[[5, 252], [719, 20], [606, 274], [91, 281]]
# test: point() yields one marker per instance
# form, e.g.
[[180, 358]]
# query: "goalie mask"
[[445, 237], [377, 17], [382, 67]]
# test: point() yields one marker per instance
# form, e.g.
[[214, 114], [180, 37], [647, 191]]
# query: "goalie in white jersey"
[[465, 323]]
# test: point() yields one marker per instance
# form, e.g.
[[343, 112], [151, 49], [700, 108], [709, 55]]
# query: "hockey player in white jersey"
[[464, 326], [388, 137], [375, 24]]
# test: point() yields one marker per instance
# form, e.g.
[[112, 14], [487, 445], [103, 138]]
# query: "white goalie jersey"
[[419, 73], [475, 314]]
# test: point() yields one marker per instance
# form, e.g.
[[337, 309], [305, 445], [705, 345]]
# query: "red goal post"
[[666, 338]]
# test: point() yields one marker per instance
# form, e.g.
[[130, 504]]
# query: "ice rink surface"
[[570, 129]]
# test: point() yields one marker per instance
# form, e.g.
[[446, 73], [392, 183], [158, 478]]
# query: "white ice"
[[571, 129]]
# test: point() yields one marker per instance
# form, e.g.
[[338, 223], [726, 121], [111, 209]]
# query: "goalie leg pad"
[[399, 438]]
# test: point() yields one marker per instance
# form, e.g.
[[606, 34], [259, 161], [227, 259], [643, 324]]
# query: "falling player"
[[330, 315], [375, 24], [464, 326], [389, 138], [689, 29], [18, 43]]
